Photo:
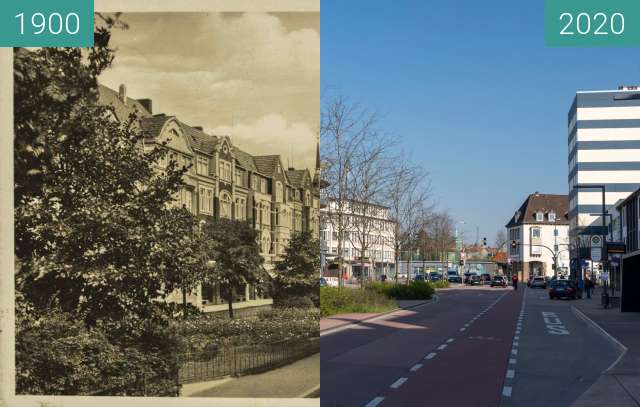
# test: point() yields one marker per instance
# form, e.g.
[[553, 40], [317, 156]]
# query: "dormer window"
[[552, 216], [539, 217]]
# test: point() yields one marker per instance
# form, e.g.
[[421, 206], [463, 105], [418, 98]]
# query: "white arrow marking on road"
[[398, 383]]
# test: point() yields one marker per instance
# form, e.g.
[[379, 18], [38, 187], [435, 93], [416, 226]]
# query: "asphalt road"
[[474, 347]]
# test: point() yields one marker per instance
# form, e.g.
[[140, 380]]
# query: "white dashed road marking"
[[441, 347], [511, 373], [374, 402], [416, 367], [398, 383], [431, 355], [506, 391]]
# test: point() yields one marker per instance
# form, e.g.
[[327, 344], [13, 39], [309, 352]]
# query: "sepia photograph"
[[166, 203]]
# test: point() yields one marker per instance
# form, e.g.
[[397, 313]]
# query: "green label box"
[[46, 23], [592, 23]]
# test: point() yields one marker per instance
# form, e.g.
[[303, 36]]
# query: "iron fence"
[[241, 360]]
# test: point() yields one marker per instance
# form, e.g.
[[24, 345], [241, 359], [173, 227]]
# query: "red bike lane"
[[469, 370]]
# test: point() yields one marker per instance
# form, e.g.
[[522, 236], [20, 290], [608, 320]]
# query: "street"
[[475, 346]]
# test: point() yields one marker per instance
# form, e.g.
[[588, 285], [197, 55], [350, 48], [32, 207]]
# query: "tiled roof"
[[244, 159], [266, 164], [297, 177], [545, 203], [108, 96], [200, 140], [152, 126]]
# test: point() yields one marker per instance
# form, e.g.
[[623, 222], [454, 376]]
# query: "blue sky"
[[471, 90]]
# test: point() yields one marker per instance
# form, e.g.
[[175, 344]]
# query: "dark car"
[[454, 277], [498, 281], [563, 289], [538, 282], [466, 277], [485, 278], [474, 279], [418, 277], [435, 276]]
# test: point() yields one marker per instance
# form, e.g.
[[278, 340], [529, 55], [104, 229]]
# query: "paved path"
[[619, 385], [298, 379], [477, 346], [361, 363]]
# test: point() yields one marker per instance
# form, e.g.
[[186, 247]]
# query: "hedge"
[[416, 290], [335, 300]]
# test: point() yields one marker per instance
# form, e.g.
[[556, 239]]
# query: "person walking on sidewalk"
[[588, 286], [514, 281]]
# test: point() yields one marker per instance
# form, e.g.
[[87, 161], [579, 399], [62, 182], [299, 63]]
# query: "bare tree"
[[344, 128], [442, 236], [501, 239], [408, 198]]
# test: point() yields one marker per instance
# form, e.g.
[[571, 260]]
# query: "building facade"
[[627, 279], [224, 181], [604, 148], [377, 234], [540, 228]]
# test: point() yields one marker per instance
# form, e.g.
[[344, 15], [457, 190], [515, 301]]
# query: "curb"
[[329, 331], [605, 334], [312, 393]]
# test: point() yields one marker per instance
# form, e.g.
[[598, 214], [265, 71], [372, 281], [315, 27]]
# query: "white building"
[[540, 228], [604, 148], [374, 228]]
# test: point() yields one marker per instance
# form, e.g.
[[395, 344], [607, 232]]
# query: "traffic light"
[[514, 244], [461, 262], [484, 241]]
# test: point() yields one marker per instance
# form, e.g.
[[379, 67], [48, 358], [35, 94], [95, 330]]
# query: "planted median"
[[375, 297]]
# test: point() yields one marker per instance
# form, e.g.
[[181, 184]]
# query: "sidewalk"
[[619, 385], [337, 321], [298, 379]]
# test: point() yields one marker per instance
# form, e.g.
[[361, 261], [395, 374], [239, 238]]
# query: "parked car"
[[466, 277], [563, 289], [538, 282], [419, 277], [474, 279], [529, 280], [454, 277], [435, 276], [485, 278], [498, 281]]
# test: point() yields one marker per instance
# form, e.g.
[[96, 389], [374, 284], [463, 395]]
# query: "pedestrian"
[[588, 286], [514, 281]]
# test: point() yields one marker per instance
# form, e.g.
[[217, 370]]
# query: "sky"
[[252, 76], [471, 91]]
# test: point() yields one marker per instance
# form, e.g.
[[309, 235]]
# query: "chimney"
[[122, 93], [147, 104]]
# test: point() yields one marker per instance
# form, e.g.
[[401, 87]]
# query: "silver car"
[[538, 282]]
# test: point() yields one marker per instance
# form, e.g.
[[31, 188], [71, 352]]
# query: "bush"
[[208, 332], [293, 302], [417, 290], [441, 284], [335, 300], [58, 355]]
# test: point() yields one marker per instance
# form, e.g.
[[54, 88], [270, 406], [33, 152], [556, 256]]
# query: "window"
[[186, 199], [539, 216], [225, 170], [239, 177], [552, 216], [202, 165], [535, 233], [254, 182], [307, 198], [225, 205], [241, 209], [206, 200], [555, 232], [278, 191], [263, 185]]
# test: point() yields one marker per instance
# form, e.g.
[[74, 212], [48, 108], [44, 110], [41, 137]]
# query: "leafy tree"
[[234, 247], [89, 202], [297, 276]]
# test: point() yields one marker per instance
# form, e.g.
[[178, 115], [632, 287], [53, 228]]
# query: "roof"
[[297, 177], [244, 159], [152, 126], [266, 164], [108, 96], [200, 140], [545, 203]]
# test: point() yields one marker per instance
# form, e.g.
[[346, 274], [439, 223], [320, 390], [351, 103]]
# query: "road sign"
[[596, 241], [596, 253]]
